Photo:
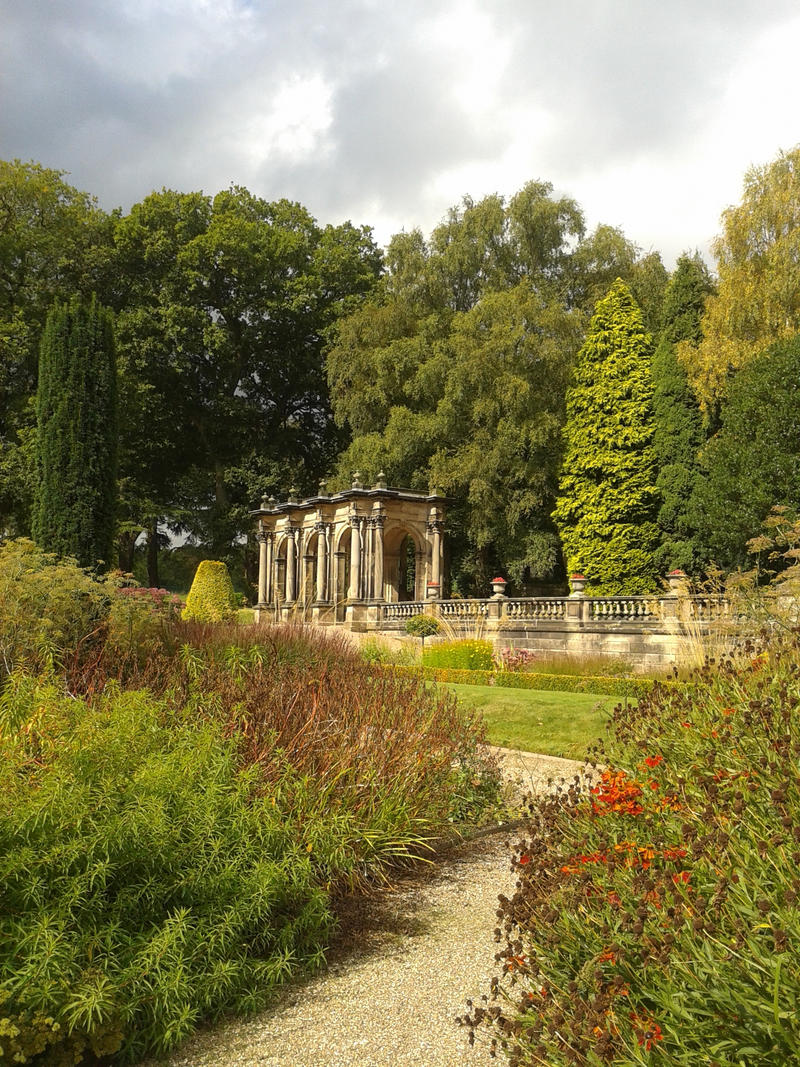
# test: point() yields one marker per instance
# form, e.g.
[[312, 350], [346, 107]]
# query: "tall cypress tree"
[[607, 495], [679, 432], [76, 411]]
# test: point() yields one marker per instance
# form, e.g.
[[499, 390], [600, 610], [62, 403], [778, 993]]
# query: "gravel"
[[400, 972]]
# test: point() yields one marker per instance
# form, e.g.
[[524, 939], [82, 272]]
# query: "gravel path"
[[399, 975]]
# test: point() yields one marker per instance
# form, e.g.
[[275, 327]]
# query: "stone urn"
[[677, 580], [577, 584], [499, 586], [433, 590]]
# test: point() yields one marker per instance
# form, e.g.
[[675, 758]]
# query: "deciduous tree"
[[758, 261]]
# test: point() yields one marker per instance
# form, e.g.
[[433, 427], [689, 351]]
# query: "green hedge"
[[562, 683]]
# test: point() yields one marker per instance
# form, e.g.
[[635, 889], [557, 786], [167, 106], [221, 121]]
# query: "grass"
[[554, 724]]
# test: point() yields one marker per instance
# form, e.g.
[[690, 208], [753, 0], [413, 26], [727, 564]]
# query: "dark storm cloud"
[[137, 94]]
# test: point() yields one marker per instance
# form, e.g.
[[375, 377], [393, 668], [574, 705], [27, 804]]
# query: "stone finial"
[[292, 498], [381, 482], [323, 488], [272, 501], [356, 483], [265, 502]]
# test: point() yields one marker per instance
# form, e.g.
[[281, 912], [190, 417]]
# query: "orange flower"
[[653, 761], [616, 794]]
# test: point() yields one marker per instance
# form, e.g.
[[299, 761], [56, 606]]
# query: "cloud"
[[645, 112]]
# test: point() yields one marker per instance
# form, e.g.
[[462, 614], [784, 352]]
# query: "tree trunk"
[[127, 546], [152, 556]]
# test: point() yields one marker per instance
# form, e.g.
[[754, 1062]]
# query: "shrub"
[[137, 622], [50, 607], [656, 910], [145, 881], [422, 626], [211, 598], [470, 655]]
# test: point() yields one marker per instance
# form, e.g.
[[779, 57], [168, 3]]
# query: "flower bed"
[[655, 917]]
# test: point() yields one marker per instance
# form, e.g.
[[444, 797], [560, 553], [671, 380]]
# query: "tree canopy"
[[758, 260], [452, 375], [753, 462], [678, 424], [76, 440], [607, 498]]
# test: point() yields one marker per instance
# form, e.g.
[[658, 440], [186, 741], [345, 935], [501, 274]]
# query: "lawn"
[[555, 724]]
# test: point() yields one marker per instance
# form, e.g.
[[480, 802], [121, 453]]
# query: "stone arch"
[[405, 554]]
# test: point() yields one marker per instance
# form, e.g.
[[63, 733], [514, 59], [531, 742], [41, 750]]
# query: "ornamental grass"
[[655, 917]]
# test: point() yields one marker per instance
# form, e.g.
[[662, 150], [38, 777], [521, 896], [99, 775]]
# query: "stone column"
[[355, 556], [378, 590], [291, 566], [368, 570], [269, 585], [322, 561], [263, 566], [435, 527]]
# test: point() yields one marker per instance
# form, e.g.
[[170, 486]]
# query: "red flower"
[[524, 858], [653, 761], [681, 877], [650, 1036]]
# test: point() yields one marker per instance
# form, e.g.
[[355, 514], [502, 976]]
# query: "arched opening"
[[407, 570], [403, 565]]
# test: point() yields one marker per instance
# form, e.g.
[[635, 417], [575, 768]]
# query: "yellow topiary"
[[211, 598]]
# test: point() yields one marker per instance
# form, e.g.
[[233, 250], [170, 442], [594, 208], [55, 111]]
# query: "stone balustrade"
[[536, 607], [619, 607], [462, 609], [644, 630]]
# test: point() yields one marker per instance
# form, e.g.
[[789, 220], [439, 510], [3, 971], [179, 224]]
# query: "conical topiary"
[[211, 598]]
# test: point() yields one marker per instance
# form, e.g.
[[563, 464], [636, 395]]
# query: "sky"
[[647, 112]]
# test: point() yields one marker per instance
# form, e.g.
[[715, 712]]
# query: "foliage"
[[53, 243], [526, 659], [607, 495], [375, 651], [422, 626], [76, 439], [678, 427], [758, 261], [224, 304], [211, 598], [51, 607], [146, 882], [753, 461], [470, 654], [452, 375], [138, 621], [563, 683], [657, 912]]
